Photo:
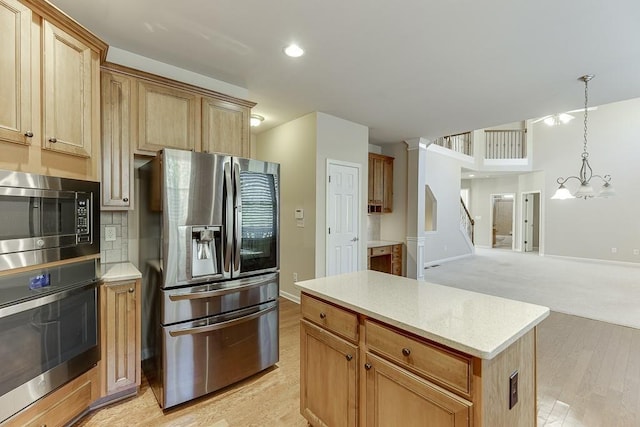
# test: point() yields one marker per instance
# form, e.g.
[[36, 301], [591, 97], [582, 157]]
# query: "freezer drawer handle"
[[219, 292], [221, 325]]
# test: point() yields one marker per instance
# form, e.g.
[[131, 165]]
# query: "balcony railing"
[[460, 143], [505, 144]]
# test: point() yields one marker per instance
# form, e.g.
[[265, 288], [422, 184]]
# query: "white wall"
[[443, 177], [293, 145], [339, 139], [590, 228]]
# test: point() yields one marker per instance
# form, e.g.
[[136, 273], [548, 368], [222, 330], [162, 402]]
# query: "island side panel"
[[492, 386]]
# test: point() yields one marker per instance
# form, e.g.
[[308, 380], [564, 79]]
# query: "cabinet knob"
[[53, 139], [367, 366], [406, 351], [28, 134], [349, 357], [126, 199], [130, 290], [322, 315]]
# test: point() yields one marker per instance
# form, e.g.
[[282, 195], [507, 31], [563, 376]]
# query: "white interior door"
[[528, 220], [343, 218]]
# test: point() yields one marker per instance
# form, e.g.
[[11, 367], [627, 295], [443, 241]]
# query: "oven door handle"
[[47, 299], [218, 292], [221, 325]]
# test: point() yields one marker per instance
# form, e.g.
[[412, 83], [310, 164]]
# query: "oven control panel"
[[83, 213]]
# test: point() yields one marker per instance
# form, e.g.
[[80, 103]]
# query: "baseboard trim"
[[290, 297], [443, 260], [596, 260]]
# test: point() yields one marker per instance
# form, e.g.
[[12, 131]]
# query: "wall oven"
[[48, 329], [46, 219]]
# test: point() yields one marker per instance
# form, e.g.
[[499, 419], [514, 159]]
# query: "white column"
[[416, 173]]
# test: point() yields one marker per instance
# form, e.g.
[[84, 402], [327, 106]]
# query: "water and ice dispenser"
[[205, 250]]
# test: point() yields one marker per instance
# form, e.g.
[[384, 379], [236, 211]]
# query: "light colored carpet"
[[596, 290]]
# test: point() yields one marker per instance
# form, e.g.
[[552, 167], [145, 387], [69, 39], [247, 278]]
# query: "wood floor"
[[588, 375]]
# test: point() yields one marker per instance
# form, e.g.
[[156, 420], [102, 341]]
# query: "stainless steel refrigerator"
[[209, 250]]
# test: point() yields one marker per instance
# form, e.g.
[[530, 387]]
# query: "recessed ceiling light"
[[293, 50]]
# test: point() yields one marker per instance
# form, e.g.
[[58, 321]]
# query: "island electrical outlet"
[[513, 389]]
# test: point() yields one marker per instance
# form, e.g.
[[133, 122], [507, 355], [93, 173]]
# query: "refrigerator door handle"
[[222, 325], [228, 234], [237, 263]]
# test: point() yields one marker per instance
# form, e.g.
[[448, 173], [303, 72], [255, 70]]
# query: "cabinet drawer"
[[337, 320], [397, 250], [381, 250], [450, 370]]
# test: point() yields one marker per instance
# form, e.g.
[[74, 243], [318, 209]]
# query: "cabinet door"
[[398, 397], [70, 71], [121, 336], [117, 171], [225, 128], [371, 180], [166, 118], [15, 69], [378, 181], [387, 185], [328, 378]]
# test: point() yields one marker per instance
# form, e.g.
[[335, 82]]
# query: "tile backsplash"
[[373, 227], [117, 250]]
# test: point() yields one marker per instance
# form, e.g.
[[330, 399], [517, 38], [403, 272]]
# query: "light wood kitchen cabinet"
[[380, 183], [70, 76], [387, 259], [15, 69], [403, 379], [117, 159], [120, 336], [49, 92], [225, 127], [328, 364], [395, 396], [61, 406], [166, 118]]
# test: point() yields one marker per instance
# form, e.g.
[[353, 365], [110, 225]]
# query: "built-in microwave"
[[46, 219]]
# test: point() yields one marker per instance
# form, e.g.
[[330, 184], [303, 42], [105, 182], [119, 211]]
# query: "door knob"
[[355, 239], [367, 366], [349, 357]]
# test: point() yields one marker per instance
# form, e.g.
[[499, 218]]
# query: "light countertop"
[[115, 272], [473, 323], [378, 243]]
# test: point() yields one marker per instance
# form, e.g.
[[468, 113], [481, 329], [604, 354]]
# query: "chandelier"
[[585, 190]]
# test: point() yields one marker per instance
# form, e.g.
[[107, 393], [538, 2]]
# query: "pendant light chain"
[[585, 154]]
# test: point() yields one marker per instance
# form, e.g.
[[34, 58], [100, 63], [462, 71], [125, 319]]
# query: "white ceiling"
[[405, 69]]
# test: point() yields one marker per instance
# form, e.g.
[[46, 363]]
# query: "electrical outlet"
[[295, 277], [513, 389], [109, 234], [614, 250]]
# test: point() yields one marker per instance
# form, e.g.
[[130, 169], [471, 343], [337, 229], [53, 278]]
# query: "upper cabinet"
[[70, 73], [15, 69], [166, 118], [49, 92], [380, 184], [225, 127]]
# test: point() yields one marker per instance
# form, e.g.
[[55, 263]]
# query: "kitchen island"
[[378, 350]]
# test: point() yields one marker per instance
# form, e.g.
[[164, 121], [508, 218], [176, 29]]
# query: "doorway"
[[343, 217], [531, 222], [502, 220]]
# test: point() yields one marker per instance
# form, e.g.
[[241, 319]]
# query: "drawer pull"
[[130, 290], [367, 366], [406, 351], [126, 200], [349, 357], [53, 140], [28, 134], [322, 315]]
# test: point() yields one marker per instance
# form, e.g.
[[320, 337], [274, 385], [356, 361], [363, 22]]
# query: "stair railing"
[[466, 222]]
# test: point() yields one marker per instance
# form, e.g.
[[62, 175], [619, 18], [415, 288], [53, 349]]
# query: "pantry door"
[[343, 217]]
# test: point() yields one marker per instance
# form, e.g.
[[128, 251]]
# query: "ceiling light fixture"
[[585, 191], [255, 120], [293, 50], [558, 119]]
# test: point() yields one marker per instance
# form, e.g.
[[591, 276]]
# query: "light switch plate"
[[109, 234]]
